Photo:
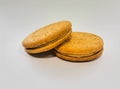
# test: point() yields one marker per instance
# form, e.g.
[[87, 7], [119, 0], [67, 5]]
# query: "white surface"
[[18, 70]]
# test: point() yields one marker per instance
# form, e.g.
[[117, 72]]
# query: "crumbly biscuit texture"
[[81, 44], [46, 34], [49, 46]]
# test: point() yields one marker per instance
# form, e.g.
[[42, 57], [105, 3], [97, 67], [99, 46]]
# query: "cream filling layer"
[[52, 41], [78, 55]]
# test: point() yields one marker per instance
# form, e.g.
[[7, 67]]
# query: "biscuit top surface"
[[81, 43], [46, 34]]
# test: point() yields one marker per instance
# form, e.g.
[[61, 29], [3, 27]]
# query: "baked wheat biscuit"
[[81, 47], [48, 37]]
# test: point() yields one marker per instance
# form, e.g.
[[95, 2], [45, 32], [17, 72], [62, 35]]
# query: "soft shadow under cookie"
[[48, 54]]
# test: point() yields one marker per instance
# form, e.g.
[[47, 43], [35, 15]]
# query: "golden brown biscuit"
[[48, 37], [81, 47]]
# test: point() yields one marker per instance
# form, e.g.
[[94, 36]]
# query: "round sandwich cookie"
[[47, 37], [81, 47]]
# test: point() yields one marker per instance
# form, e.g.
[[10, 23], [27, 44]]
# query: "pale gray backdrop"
[[18, 70]]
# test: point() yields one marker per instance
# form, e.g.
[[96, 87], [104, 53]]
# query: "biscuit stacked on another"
[[68, 45], [48, 37]]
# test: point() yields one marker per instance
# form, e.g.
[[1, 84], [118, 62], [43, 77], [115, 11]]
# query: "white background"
[[19, 70]]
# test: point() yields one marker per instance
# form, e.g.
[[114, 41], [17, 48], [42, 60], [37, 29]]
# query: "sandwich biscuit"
[[48, 37], [82, 46]]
